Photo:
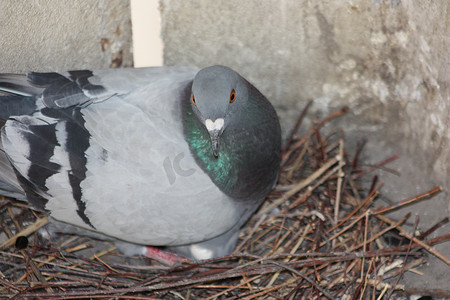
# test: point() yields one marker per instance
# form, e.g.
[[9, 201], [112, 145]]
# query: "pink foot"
[[163, 257]]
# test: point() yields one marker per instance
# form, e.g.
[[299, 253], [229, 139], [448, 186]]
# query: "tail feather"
[[9, 185], [19, 100], [18, 84], [15, 106]]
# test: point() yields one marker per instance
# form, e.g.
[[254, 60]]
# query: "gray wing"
[[36, 103], [82, 87], [100, 149]]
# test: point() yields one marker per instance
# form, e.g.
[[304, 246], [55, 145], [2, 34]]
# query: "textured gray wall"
[[387, 60], [49, 35]]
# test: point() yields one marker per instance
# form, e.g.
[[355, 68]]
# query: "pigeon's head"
[[218, 95]]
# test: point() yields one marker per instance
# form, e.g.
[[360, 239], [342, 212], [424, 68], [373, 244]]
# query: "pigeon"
[[178, 157]]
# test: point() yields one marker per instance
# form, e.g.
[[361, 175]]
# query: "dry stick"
[[365, 242], [71, 267], [329, 296], [408, 201], [301, 199], [366, 201], [330, 147], [381, 232], [9, 285], [25, 255], [366, 277], [416, 223], [322, 254], [26, 232], [298, 161], [435, 293], [379, 284], [297, 125], [287, 259], [35, 270], [433, 228], [334, 114], [357, 219], [268, 290], [380, 297], [286, 157], [378, 165], [321, 152], [341, 278], [277, 238], [260, 221], [302, 184], [399, 250], [310, 189], [359, 148], [395, 272], [18, 227], [95, 256], [233, 287], [355, 197], [104, 263], [339, 182], [404, 233], [300, 241], [293, 291], [232, 273], [283, 238], [51, 258]]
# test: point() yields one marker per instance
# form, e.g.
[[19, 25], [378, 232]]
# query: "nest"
[[319, 235]]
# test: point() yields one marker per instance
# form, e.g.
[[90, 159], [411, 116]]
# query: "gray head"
[[233, 133], [217, 95]]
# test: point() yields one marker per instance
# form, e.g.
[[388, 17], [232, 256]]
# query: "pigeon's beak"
[[215, 142], [215, 129]]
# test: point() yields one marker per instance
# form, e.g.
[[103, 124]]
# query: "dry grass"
[[319, 235]]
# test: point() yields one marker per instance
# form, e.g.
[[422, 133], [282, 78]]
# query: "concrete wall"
[[46, 35], [387, 60]]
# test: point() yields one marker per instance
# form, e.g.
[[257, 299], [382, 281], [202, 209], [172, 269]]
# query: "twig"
[[284, 266], [299, 186], [296, 126], [378, 165], [433, 228], [339, 182], [261, 219], [26, 232], [366, 201], [389, 228], [404, 233], [408, 201], [404, 260]]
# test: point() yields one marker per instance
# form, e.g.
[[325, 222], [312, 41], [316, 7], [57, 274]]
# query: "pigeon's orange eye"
[[232, 96], [193, 100]]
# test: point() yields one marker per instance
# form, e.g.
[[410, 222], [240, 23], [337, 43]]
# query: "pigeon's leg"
[[219, 246], [165, 257], [128, 249], [158, 254]]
